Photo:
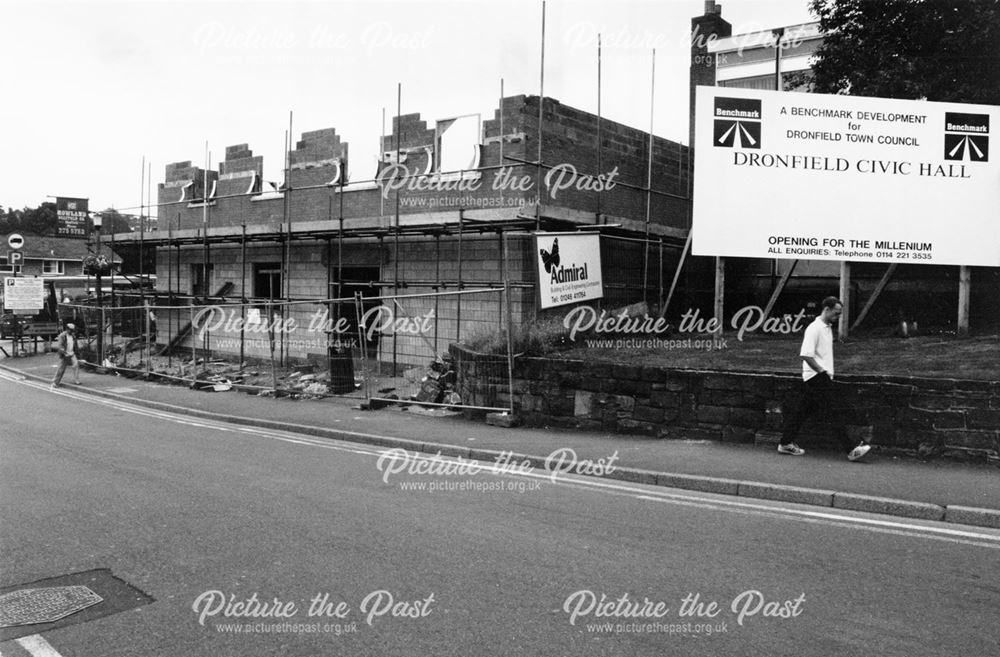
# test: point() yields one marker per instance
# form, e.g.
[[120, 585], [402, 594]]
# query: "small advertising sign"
[[569, 268], [71, 214]]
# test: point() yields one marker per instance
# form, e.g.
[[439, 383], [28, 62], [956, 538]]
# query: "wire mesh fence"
[[408, 345]]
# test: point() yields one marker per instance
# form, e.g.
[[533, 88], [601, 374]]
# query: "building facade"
[[454, 205]]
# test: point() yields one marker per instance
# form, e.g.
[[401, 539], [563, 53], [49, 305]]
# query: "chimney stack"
[[703, 29]]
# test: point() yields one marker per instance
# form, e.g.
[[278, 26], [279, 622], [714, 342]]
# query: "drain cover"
[[55, 602], [32, 606]]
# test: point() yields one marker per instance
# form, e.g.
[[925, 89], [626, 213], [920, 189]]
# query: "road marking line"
[[735, 506], [38, 646], [841, 521], [717, 502]]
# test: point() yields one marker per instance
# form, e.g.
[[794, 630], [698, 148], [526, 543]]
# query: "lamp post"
[[100, 293]]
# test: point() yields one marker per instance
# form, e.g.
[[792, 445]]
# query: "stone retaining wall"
[[912, 415]]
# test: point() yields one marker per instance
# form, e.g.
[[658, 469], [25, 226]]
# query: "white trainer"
[[859, 452]]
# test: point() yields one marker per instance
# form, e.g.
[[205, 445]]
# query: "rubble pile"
[[221, 375], [437, 386], [435, 383], [304, 383]]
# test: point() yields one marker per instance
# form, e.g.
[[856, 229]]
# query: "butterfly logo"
[[551, 260]]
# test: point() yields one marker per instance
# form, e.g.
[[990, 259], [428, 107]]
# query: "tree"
[[43, 220], [939, 50], [39, 221], [113, 221]]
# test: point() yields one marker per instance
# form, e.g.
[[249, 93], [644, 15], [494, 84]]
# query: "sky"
[[94, 88]]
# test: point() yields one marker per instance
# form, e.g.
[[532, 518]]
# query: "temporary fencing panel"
[[387, 348], [408, 342]]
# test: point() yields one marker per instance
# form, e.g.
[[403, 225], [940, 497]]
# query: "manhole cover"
[[74, 598], [32, 606]]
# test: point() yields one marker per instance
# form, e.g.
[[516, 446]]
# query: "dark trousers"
[[819, 397]]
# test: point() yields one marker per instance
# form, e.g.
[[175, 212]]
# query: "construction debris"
[[438, 381]]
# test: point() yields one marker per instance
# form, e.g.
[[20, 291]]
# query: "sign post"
[[15, 241], [964, 290]]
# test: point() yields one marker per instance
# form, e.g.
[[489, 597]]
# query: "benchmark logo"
[[966, 137], [737, 123]]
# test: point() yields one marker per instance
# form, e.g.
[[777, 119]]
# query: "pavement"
[[957, 492]]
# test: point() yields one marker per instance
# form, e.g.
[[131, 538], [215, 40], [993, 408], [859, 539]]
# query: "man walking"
[[67, 355], [817, 384]]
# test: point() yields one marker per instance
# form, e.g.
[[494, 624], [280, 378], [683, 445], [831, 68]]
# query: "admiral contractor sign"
[[823, 177], [569, 268]]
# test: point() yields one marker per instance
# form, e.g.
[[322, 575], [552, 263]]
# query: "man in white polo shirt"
[[817, 384]]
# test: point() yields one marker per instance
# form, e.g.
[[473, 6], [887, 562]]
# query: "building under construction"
[[444, 229]]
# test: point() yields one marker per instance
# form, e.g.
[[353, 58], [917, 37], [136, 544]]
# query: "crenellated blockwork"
[[241, 172], [184, 184], [320, 158], [572, 140]]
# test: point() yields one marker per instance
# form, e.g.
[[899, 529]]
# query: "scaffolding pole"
[[243, 291], [142, 234], [395, 249], [541, 106], [501, 138], [458, 322], [649, 179], [170, 298], [600, 146]]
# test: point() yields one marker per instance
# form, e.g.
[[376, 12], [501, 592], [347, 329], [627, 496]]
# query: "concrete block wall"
[[313, 162], [240, 172], [307, 278], [414, 135], [569, 137], [176, 178]]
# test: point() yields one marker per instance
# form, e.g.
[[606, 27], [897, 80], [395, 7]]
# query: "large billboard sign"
[[569, 268], [71, 217], [824, 177]]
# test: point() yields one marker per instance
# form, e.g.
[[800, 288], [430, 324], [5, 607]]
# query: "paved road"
[[941, 481], [181, 508]]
